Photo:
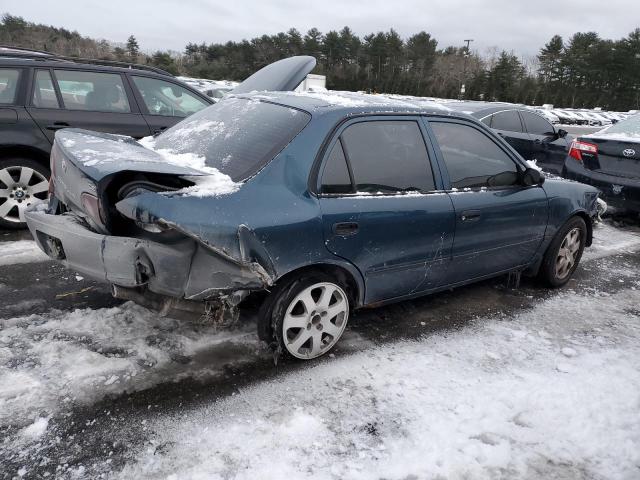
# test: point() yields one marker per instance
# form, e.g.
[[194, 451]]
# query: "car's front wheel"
[[564, 253], [307, 315], [22, 182]]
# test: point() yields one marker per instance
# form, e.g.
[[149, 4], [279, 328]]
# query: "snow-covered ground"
[[20, 251], [552, 391]]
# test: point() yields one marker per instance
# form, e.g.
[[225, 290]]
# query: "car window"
[[537, 125], [44, 94], [235, 136], [335, 177], [487, 120], [92, 91], [388, 156], [8, 85], [166, 98], [509, 121], [472, 158]]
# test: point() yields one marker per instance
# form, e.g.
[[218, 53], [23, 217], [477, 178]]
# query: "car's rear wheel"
[[22, 182], [307, 315], [564, 253]]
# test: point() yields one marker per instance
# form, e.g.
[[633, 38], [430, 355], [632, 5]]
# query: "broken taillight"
[[579, 147], [91, 205]]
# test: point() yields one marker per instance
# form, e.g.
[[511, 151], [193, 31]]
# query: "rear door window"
[[472, 158], [92, 91], [8, 85], [508, 121], [536, 125], [44, 94], [166, 98], [388, 156]]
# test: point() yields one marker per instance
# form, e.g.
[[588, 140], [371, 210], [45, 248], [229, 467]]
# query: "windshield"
[[236, 136]]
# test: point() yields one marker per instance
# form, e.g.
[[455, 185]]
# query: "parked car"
[[318, 203], [609, 160], [595, 119], [529, 133], [41, 93], [554, 119]]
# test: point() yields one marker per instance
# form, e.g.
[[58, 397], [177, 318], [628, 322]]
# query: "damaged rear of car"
[[155, 218]]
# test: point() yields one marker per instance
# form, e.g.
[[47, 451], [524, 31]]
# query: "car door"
[[93, 100], [165, 103], [549, 149], [499, 223], [382, 206], [507, 124]]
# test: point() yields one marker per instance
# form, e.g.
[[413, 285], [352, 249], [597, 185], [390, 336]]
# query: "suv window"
[[44, 94], [8, 85], [336, 178], [166, 98], [235, 136], [537, 125], [472, 158], [388, 156], [92, 91], [509, 121]]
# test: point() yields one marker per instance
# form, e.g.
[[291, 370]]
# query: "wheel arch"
[[347, 274], [24, 151]]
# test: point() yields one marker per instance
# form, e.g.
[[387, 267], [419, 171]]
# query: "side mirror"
[[531, 177], [562, 133]]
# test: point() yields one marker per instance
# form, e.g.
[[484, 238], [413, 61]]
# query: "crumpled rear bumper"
[[183, 269]]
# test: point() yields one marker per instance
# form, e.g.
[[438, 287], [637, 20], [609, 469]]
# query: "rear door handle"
[[345, 228], [470, 215], [58, 125], [158, 131]]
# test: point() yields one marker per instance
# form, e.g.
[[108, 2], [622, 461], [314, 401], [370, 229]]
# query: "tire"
[[306, 316], [564, 253], [22, 181]]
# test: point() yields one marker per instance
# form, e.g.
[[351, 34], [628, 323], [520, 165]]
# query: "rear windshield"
[[630, 126], [236, 136]]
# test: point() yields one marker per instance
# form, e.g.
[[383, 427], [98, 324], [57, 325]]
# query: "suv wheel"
[[564, 253], [22, 182], [307, 315]]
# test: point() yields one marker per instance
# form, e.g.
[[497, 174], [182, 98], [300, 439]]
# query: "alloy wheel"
[[315, 320], [568, 252], [19, 188]]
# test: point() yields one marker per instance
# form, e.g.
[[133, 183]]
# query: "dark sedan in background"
[[609, 160], [529, 133]]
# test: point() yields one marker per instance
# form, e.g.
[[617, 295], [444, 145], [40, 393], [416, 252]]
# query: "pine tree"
[[132, 47]]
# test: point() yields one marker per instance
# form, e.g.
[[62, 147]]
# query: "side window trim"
[[488, 133], [336, 136]]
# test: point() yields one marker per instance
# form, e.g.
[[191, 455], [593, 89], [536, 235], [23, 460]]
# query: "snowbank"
[[20, 251]]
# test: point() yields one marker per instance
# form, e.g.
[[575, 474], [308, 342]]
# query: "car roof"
[[482, 109], [45, 62], [318, 103]]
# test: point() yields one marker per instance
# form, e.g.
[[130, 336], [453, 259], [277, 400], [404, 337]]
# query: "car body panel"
[[614, 169]]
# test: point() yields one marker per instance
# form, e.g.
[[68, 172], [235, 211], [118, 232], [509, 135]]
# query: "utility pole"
[[464, 68]]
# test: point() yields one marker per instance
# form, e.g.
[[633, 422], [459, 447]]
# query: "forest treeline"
[[581, 71]]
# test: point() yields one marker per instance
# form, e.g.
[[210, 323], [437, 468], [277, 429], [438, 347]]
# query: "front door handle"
[[470, 215], [58, 126], [345, 228]]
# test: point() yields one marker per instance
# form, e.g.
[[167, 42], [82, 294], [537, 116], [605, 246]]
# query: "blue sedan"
[[312, 205]]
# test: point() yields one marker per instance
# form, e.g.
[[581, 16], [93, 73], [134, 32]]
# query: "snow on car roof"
[[331, 100]]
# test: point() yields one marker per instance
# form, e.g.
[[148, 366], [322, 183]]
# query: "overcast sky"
[[519, 25]]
